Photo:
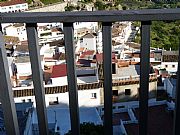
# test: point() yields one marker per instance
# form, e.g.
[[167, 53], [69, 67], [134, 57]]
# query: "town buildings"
[[91, 60], [13, 6]]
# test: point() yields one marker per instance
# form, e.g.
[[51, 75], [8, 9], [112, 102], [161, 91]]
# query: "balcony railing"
[[68, 18]]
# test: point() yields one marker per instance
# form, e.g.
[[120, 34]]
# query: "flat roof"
[[160, 121], [63, 117]]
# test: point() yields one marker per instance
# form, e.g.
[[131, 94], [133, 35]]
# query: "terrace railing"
[[68, 18]]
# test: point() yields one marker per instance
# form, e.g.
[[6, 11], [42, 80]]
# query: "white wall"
[[14, 8], [90, 25], [19, 32], [25, 68], [10, 65], [170, 66], [61, 81], [84, 98], [89, 43], [168, 86]]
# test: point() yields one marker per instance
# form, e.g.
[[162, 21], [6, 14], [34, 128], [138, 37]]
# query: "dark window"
[[115, 92], [127, 91], [93, 95], [81, 40], [29, 100], [113, 68], [173, 66], [166, 66], [23, 100], [121, 107]]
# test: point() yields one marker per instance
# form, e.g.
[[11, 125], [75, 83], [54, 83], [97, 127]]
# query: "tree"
[[70, 8], [99, 5], [87, 128], [164, 34]]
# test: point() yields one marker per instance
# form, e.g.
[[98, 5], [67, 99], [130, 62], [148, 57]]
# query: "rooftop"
[[12, 2], [160, 122], [86, 115], [88, 35]]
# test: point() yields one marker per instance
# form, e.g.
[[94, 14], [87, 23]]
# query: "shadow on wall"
[[122, 97]]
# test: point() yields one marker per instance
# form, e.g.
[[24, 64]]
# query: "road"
[[58, 7]]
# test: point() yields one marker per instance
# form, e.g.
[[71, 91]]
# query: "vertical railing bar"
[[37, 76], [144, 77], [176, 130], [72, 82], [107, 72], [6, 93]]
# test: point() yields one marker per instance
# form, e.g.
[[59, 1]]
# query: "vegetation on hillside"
[[164, 34], [47, 2]]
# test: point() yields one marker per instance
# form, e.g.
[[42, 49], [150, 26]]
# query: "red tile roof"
[[87, 53], [81, 49], [59, 71], [99, 57], [56, 30], [25, 42], [12, 2]]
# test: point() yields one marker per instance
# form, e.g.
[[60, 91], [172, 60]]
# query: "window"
[[127, 91], [115, 92], [53, 100], [121, 107], [29, 100], [173, 66], [93, 95], [17, 6], [23, 100], [81, 40], [46, 34], [24, 5], [166, 66]]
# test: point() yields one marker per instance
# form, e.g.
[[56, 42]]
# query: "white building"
[[88, 41], [45, 34], [171, 67], [90, 25], [13, 6], [84, 25], [86, 98], [121, 32], [16, 30]]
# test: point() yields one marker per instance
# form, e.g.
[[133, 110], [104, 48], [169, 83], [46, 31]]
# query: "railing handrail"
[[93, 16]]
